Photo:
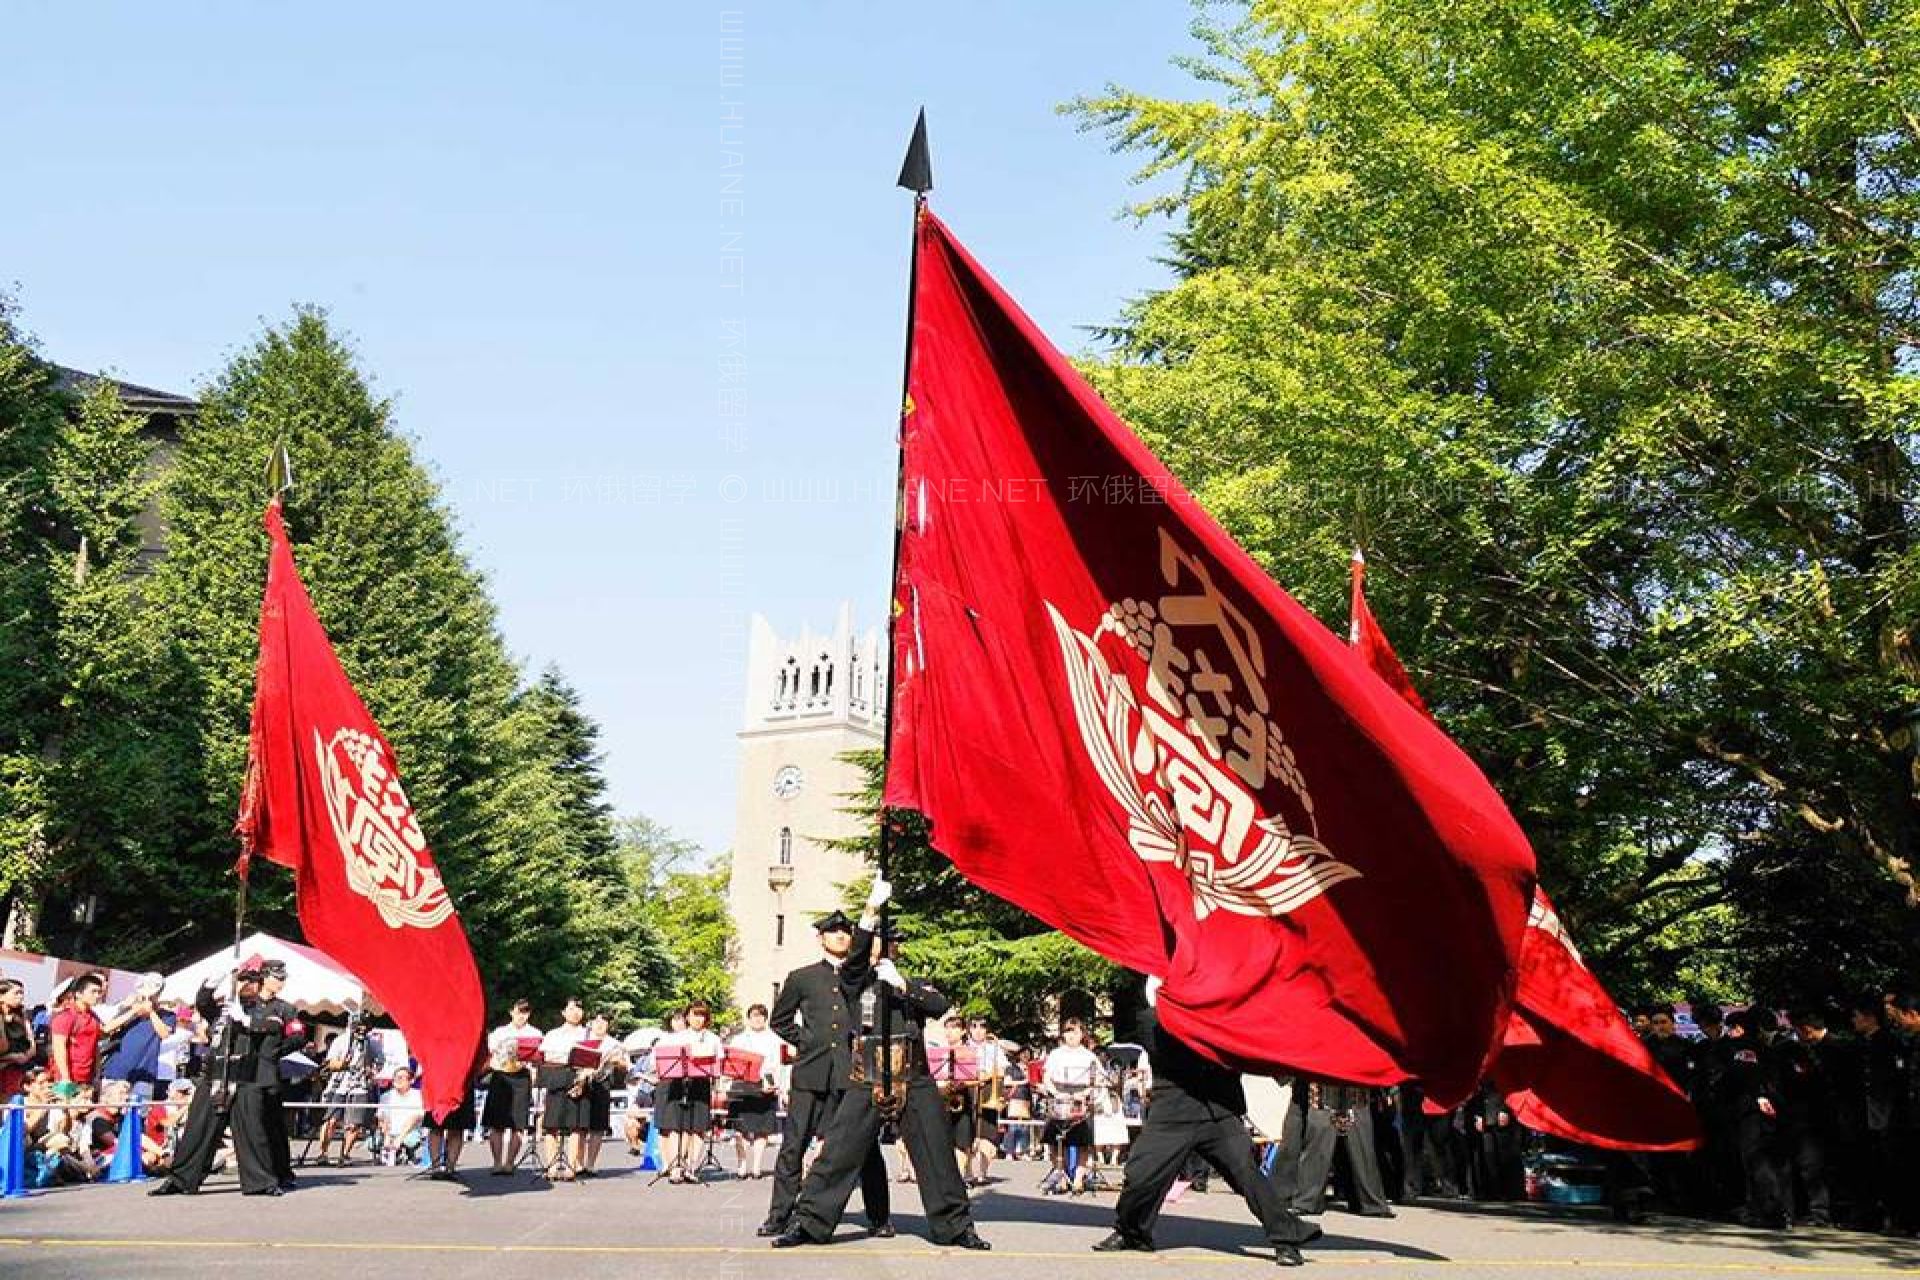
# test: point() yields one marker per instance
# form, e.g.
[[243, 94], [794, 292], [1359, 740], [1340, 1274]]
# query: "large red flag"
[[1114, 719], [1567, 1061], [323, 798]]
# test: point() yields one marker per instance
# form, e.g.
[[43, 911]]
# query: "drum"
[[1067, 1108]]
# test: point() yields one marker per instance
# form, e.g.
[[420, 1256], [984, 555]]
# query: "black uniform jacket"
[[811, 1015]]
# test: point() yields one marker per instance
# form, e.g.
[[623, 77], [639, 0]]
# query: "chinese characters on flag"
[[1114, 719]]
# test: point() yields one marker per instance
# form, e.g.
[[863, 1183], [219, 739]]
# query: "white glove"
[[1153, 991], [879, 895], [234, 1011], [889, 975]]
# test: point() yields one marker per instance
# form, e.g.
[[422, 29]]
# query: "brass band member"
[[1068, 1079], [509, 1110], [646, 1081], [881, 996], [960, 1097], [752, 1104], [683, 1108], [597, 1084], [563, 1114], [447, 1136], [989, 1101]]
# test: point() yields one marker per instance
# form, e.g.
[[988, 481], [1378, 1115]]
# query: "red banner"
[[1567, 1061], [1116, 720], [323, 798]]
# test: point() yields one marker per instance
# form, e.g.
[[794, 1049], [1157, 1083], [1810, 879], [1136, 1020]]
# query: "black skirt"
[[754, 1115], [599, 1107], [564, 1113], [458, 1120], [509, 1101], [683, 1106]]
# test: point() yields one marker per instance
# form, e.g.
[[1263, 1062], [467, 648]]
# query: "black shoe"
[[1288, 1255], [791, 1238], [969, 1239], [771, 1228], [167, 1187], [882, 1231], [286, 1184], [268, 1191], [1116, 1242], [1372, 1213]]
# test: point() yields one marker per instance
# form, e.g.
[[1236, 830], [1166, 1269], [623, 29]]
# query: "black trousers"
[[851, 1138], [207, 1124], [274, 1119], [1317, 1144], [1161, 1151], [1805, 1144], [1768, 1195], [808, 1111]]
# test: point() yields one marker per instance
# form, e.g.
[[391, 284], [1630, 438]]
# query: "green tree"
[[503, 778], [92, 747], [30, 426], [684, 902], [1595, 325]]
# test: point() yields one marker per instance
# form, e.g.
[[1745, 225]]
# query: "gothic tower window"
[[786, 846]]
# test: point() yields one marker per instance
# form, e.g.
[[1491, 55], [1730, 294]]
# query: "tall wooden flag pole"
[[916, 175]]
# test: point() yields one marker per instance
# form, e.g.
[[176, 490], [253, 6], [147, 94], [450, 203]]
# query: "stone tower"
[[809, 699]]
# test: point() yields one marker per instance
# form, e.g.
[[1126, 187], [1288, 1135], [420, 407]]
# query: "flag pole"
[[916, 175], [279, 481]]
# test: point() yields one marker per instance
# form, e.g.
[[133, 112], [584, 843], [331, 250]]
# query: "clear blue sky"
[[516, 212]]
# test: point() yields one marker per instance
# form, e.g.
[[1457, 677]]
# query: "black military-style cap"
[[836, 920]]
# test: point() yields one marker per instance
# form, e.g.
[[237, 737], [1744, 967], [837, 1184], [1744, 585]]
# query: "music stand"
[[953, 1064], [677, 1062]]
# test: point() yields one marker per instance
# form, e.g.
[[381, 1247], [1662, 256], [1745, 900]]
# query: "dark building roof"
[[136, 397]]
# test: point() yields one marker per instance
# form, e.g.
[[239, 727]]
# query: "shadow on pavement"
[[1174, 1231], [1802, 1242]]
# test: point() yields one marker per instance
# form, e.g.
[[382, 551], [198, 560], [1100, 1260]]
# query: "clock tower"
[[809, 699]]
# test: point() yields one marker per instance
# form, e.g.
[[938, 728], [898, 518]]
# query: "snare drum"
[[1067, 1108]]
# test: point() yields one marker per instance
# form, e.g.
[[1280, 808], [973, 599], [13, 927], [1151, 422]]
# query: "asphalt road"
[[368, 1221]]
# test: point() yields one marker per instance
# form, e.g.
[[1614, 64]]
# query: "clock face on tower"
[[787, 782]]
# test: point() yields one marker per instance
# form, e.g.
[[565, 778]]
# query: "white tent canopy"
[[315, 981]]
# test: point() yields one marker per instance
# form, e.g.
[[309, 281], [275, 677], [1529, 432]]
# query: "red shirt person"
[[75, 1030]]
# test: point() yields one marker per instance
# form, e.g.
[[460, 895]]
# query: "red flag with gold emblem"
[[1567, 1061], [1115, 719], [323, 798]]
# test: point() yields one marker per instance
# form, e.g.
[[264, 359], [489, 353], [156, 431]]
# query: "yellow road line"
[[1320, 1257]]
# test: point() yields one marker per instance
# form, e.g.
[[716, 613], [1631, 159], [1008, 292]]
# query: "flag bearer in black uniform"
[[878, 995], [238, 1087], [1197, 1108], [811, 1014]]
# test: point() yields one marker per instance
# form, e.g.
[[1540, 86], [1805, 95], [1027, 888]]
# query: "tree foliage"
[[1595, 325], [123, 739], [683, 900]]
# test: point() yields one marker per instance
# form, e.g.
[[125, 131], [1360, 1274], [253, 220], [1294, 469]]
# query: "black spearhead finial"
[[916, 171]]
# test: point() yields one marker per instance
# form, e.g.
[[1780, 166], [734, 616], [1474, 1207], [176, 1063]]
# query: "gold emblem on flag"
[[374, 825], [1171, 699]]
